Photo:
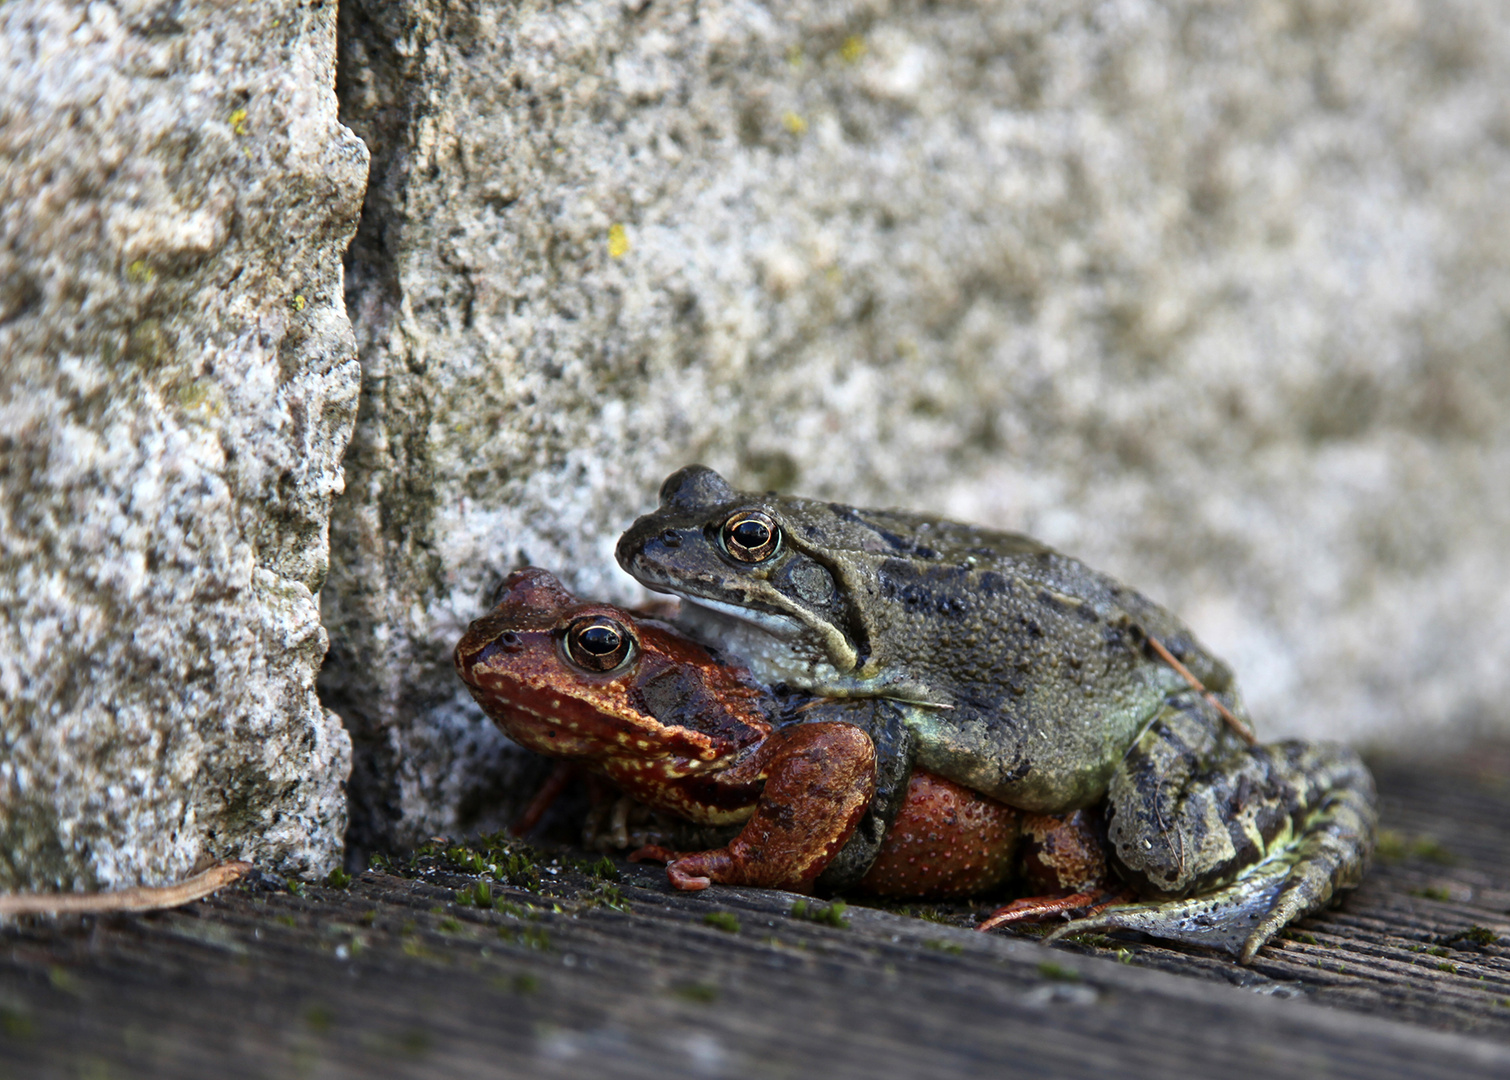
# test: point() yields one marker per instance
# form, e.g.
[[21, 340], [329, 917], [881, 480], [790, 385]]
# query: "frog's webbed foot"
[[1303, 869], [1227, 919]]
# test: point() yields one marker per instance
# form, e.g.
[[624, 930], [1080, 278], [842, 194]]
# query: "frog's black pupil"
[[598, 640], [751, 534]]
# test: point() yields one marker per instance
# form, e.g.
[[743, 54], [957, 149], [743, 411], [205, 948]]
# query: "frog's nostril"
[[671, 538], [506, 642]]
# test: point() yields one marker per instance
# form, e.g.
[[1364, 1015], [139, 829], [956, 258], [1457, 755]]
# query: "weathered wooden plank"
[[392, 975]]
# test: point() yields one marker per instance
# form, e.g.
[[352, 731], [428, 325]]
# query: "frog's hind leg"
[[1240, 848], [1036, 908]]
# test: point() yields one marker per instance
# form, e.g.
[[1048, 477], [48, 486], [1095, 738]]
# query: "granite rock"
[[178, 382], [1216, 297]]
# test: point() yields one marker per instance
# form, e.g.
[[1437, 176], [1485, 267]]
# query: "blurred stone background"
[[1216, 297]]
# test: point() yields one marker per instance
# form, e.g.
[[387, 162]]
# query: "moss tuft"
[[1050, 970], [826, 914]]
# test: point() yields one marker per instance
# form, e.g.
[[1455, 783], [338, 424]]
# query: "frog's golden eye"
[[751, 536], [596, 643]]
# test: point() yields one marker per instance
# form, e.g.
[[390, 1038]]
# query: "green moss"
[[413, 946], [414, 1042], [1050, 970], [295, 887], [450, 926], [1474, 935], [1390, 846], [286, 920], [726, 921], [319, 1018], [534, 937], [702, 993], [826, 914], [1431, 892], [606, 895], [605, 869], [1431, 849], [1094, 941], [1124, 956], [139, 273], [1451, 969], [16, 1022], [1395, 847], [1433, 950], [337, 879], [1301, 936], [953, 948], [478, 894]]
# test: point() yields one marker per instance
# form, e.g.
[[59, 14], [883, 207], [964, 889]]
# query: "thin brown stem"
[[1243, 730], [139, 898]]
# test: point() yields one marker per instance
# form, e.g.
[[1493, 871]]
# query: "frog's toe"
[[1238, 919], [1227, 919]]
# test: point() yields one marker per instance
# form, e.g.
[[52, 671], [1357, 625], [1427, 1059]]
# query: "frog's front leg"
[[819, 780], [1251, 837]]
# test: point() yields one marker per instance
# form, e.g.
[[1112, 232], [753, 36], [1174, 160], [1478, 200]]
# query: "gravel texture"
[[178, 381]]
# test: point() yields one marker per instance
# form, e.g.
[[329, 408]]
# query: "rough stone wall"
[[177, 384], [1216, 296]]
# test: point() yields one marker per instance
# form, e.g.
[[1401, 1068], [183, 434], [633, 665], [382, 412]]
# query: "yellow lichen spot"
[[618, 241], [794, 123], [298, 303], [237, 120], [139, 273], [794, 56], [852, 49], [197, 395]]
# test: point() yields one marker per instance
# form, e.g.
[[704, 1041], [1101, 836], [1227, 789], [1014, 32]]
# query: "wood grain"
[[392, 976]]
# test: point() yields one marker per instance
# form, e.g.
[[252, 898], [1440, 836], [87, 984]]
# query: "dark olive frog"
[[1031, 678]]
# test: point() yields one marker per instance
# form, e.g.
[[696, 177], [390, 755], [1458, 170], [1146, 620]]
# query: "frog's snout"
[[644, 550]]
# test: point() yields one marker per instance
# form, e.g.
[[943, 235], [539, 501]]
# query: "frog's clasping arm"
[[1244, 732]]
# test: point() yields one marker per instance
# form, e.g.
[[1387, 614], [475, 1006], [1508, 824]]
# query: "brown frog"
[[825, 790]]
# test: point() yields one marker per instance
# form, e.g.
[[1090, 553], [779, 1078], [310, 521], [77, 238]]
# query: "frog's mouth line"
[[780, 626]]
